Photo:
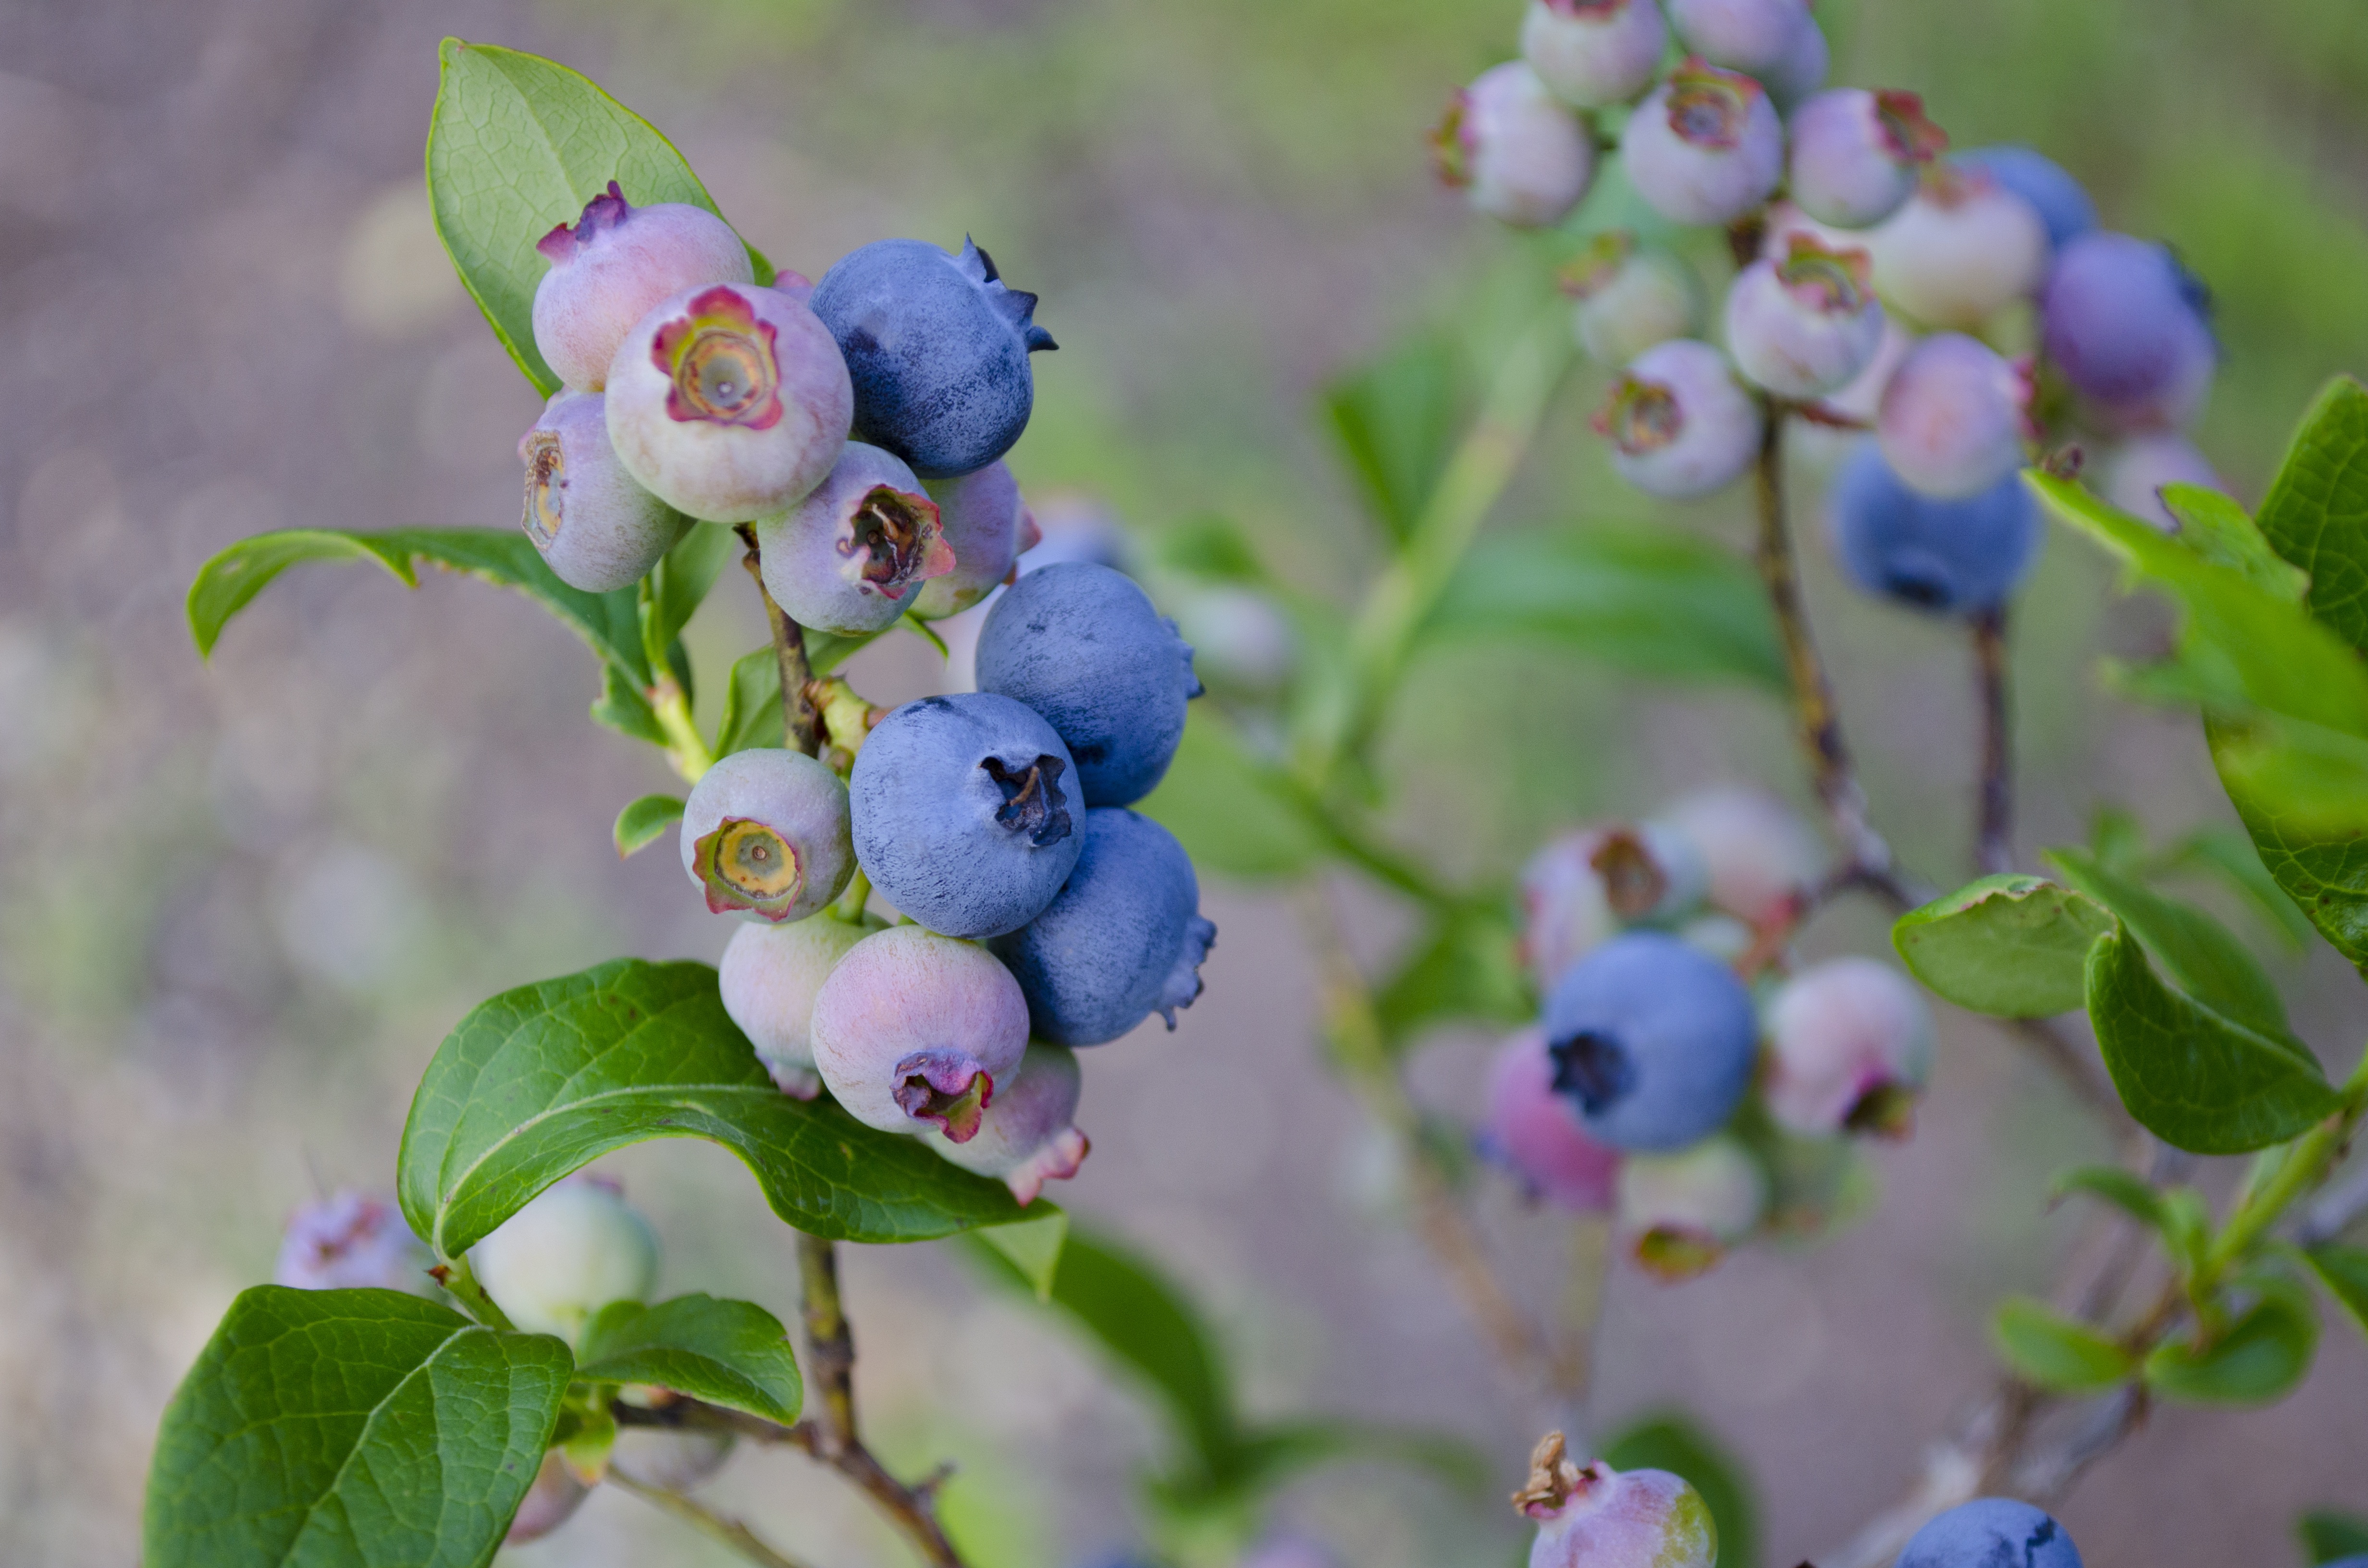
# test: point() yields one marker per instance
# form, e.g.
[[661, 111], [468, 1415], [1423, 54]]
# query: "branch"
[[1994, 843], [708, 1522], [800, 731]]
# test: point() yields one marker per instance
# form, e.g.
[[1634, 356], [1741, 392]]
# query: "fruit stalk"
[[1994, 843], [798, 727], [716, 1527]]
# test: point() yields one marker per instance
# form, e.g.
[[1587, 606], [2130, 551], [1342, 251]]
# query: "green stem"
[[851, 904], [685, 748], [2281, 1175], [462, 1282]]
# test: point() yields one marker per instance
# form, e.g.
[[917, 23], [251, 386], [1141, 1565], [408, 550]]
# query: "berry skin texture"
[[1762, 858], [1594, 53], [1582, 887], [1629, 298], [1960, 250], [1855, 155], [610, 268], [858, 550], [594, 524], [913, 1030], [1850, 1046], [1756, 36], [2127, 325], [1679, 1213], [938, 348], [1516, 152], [1805, 325], [1706, 147], [1535, 1133], [1123, 940], [1942, 557], [574, 1249], [1991, 1530], [728, 402], [352, 1241], [1680, 424], [1803, 71], [1029, 1136], [986, 525], [1653, 1040], [1602, 1518], [2136, 472], [2063, 205], [770, 975], [966, 812], [1951, 425], [765, 834], [551, 1501], [1082, 645]]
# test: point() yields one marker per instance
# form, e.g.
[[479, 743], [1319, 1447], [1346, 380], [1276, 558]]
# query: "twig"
[[799, 731], [1993, 844], [708, 1522]]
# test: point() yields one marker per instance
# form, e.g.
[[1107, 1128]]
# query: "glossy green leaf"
[[2261, 1357], [2231, 857], [1394, 424], [517, 146], [2344, 1271], [2056, 1352], [2200, 954], [2195, 1079], [1677, 1445], [2129, 1193], [2286, 784], [2215, 528], [735, 1354], [2316, 514], [544, 1079], [350, 1429], [2328, 1536], [1232, 815], [681, 581], [2011, 946], [1032, 1246], [643, 821], [1464, 967], [1649, 602]]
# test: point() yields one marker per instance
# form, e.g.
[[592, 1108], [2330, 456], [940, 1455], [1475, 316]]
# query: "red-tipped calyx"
[[721, 361], [1911, 137], [1640, 417], [946, 1089], [1708, 107], [1830, 281], [744, 865], [604, 212]]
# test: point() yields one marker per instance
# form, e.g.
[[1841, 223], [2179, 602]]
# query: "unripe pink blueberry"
[[1680, 424], [1679, 1213], [1849, 1045], [669, 1459], [987, 524], [765, 834], [1756, 36], [1762, 858], [1952, 419], [913, 1030], [1629, 298], [2138, 469], [1593, 52], [1516, 153], [1029, 1136], [1535, 1134], [770, 975], [575, 1248], [729, 402], [592, 521], [551, 1501], [1596, 1516], [1960, 250], [1803, 71], [612, 266], [1578, 891], [853, 555], [1856, 154], [352, 1241], [1706, 147], [1804, 326]]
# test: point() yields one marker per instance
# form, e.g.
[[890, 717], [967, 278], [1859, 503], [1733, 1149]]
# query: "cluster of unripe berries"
[[1670, 1008], [1948, 302]]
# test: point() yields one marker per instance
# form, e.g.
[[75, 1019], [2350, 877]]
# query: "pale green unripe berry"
[[1679, 1213], [574, 1250]]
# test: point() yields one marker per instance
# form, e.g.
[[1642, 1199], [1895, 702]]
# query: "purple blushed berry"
[[1953, 421], [669, 1460], [1535, 1133], [1029, 1136], [913, 1030], [986, 525], [856, 553], [1629, 297], [1515, 150], [765, 834], [2136, 471], [1579, 889], [1680, 424], [1849, 1045], [577, 1247], [1594, 53], [612, 267], [2130, 329], [1804, 326], [595, 526], [1856, 155], [1679, 1213], [1756, 35], [1596, 1516], [1803, 71], [1960, 250], [1706, 147], [351, 1240], [770, 975], [1762, 858]]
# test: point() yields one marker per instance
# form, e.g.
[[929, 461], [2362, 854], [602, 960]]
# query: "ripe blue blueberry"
[[2131, 330], [1593, 52], [1653, 1038], [1952, 420], [765, 833], [1990, 1531], [1804, 326], [1706, 147], [597, 527], [966, 812], [612, 267], [1124, 938], [1758, 36], [1516, 151], [1960, 250], [349, 1240], [857, 551], [1855, 155], [987, 526], [2059, 199], [938, 348], [913, 1030], [1029, 1135], [1600, 1518], [1082, 645], [1680, 424], [1629, 298], [1948, 557]]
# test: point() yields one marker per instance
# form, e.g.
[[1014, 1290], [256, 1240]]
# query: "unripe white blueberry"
[[1849, 1045], [765, 834], [551, 1501], [1596, 1516], [1519, 155], [987, 524], [349, 1240], [1856, 154], [1579, 889], [1756, 36], [1629, 298], [2138, 469], [1706, 147], [671, 1460], [575, 1248], [729, 402], [770, 976], [1952, 422], [612, 266], [1680, 424], [1761, 857], [1805, 325], [1959, 250], [1029, 1136], [1679, 1213], [853, 555], [915, 1030], [592, 521], [1593, 52]]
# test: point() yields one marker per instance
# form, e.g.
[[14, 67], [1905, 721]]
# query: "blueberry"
[[1950, 424], [1850, 1044], [1535, 1133], [1804, 326], [765, 833], [2136, 472], [1124, 940], [1596, 1516], [966, 812], [1946, 557], [575, 1248], [1579, 889], [612, 267], [913, 1030], [1960, 250], [1679, 1213], [1706, 147], [1594, 53], [1629, 298], [1756, 35], [1653, 1040], [2131, 330], [1803, 70], [350, 1241], [1514, 149], [1082, 645], [987, 525], [858, 551], [669, 1460], [770, 975], [2058, 198], [595, 525], [1680, 424], [1760, 856], [938, 350], [1855, 155], [1029, 1135], [1991, 1532], [551, 1501]]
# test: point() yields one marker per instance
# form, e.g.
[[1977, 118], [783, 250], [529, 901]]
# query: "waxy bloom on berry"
[[1596, 1516], [853, 556], [765, 833], [612, 267], [1856, 154], [1706, 147], [1629, 297], [1680, 424], [1593, 52], [913, 1030], [1515, 150], [1804, 326]]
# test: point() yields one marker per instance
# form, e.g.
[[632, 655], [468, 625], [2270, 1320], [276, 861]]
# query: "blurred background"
[[241, 904]]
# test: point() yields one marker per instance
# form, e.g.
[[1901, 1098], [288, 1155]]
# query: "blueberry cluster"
[[1683, 1064], [1962, 307]]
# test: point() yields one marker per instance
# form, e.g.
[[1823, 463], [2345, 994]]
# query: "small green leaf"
[[2261, 1357], [2055, 1352], [2201, 955], [1032, 1246], [752, 704], [735, 1354], [681, 582], [2215, 528], [2328, 1536], [2195, 1079], [2011, 946], [542, 1080], [2316, 514], [1396, 423], [517, 146], [2344, 1271], [1676, 1444], [347, 1429], [2130, 1194], [2294, 786], [621, 707], [644, 821], [2186, 1229], [1232, 815], [1464, 967]]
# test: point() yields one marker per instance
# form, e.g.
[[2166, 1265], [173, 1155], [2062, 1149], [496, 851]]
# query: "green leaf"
[[621, 707], [1395, 424], [517, 146], [1032, 1246], [2344, 1271], [735, 1354], [681, 580], [2316, 514], [2131, 1194], [2231, 857], [2011, 946], [2055, 1352], [347, 1429], [2186, 1229], [645, 821], [1208, 547], [2215, 528], [2201, 955], [1233, 815], [1464, 967], [2293, 788], [1273, 1455], [752, 704], [544, 1079], [1651, 602], [1673, 1443], [2195, 1079], [2261, 1357], [2327, 1537]]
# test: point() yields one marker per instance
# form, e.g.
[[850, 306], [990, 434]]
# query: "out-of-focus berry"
[[1946, 557], [1516, 153], [1535, 1133], [913, 1030], [1803, 71], [2139, 468], [1952, 419], [1242, 641], [1680, 424], [858, 551], [1762, 858], [352, 1241], [1581, 888], [986, 525], [1990, 1531], [668, 1459], [1756, 35], [595, 526], [612, 267], [575, 1248], [1295, 1551], [1679, 1213], [1960, 250], [1856, 154], [2059, 199], [1706, 147], [1804, 326], [765, 833], [1593, 52], [1029, 1135], [550, 1501], [1629, 297], [1653, 1040], [1849, 1045], [1600, 1518], [2130, 329], [770, 975]]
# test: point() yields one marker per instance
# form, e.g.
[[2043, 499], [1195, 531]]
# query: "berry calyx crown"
[[603, 212], [721, 361], [1831, 280], [1555, 1480], [1015, 306], [1709, 108], [744, 864], [1640, 417], [1906, 133], [1592, 270]]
